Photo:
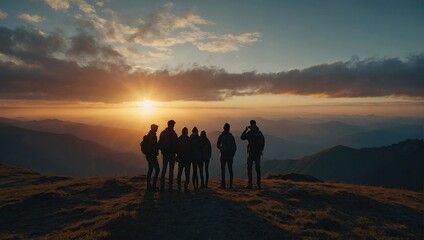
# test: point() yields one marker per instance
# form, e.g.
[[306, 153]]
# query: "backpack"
[[144, 145], [257, 143], [227, 144]]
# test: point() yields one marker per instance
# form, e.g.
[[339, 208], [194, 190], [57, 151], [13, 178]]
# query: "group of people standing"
[[195, 152]]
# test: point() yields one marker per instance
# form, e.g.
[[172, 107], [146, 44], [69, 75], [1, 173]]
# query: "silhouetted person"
[[205, 146], [168, 146], [183, 158], [255, 147], [196, 155], [149, 146], [227, 145]]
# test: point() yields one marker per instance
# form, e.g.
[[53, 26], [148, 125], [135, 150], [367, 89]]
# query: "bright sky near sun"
[[248, 54]]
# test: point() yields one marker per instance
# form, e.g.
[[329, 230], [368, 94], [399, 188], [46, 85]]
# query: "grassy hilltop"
[[34, 206]]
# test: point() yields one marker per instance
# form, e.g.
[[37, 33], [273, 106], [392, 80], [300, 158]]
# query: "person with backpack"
[[227, 145], [168, 145], [206, 149], [255, 147], [183, 159], [196, 155], [149, 147]]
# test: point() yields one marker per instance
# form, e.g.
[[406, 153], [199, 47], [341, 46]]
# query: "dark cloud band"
[[52, 66]]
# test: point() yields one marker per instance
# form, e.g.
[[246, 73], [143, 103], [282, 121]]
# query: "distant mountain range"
[[64, 154], [316, 136], [399, 165], [373, 138], [69, 148], [119, 139], [286, 139], [275, 148]]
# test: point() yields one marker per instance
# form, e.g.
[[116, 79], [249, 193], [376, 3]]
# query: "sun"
[[146, 106]]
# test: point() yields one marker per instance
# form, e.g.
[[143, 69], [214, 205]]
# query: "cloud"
[[152, 35], [30, 45], [228, 43], [53, 66], [58, 4], [371, 77], [101, 3], [159, 30], [85, 7], [86, 45], [140, 59], [30, 18], [65, 4], [163, 29], [40, 70], [3, 14]]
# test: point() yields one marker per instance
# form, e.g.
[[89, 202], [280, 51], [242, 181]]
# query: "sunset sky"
[[249, 58]]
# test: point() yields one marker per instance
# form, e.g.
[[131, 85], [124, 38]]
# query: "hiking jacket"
[[168, 141], [151, 144], [206, 148], [196, 152], [226, 144], [183, 148], [249, 135]]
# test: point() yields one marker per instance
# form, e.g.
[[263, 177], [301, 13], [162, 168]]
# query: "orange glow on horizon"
[[139, 114]]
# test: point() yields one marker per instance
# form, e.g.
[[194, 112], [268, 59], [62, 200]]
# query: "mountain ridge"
[[38, 206], [64, 154], [396, 165]]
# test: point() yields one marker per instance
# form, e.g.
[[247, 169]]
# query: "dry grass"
[[34, 206]]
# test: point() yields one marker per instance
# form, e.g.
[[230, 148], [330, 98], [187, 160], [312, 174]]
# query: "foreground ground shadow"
[[197, 215]]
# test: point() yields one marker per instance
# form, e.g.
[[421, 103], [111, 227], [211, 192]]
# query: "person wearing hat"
[[149, 146], [168, 146]]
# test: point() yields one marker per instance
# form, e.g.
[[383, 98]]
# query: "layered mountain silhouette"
[[276, 148], [286, 139], [374, 138], [119, 139], [399, 165], [69, 148], [64, 154], [37, 206]]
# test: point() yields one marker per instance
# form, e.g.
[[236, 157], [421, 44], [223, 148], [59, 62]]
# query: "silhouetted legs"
[[185, 165], [202, 181], [207, 172], [181, 166], [230, 170], [187, 175], [229, 162], [167, 158], [152, 162], [257, 159], [195, 177]]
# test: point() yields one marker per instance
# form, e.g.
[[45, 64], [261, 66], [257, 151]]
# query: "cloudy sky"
[[218, 53]]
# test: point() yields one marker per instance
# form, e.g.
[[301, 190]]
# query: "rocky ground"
[[34, 206]]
